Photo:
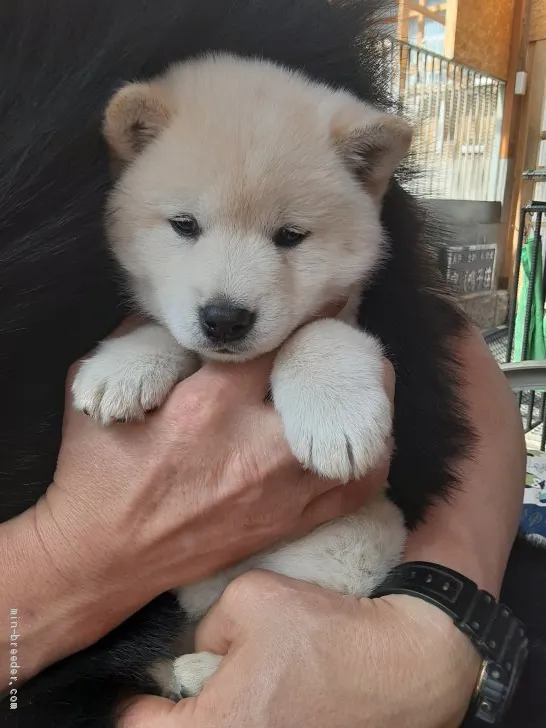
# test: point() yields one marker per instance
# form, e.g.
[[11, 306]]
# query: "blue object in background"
[[533, 517]]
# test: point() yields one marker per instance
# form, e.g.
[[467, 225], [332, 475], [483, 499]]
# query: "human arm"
[[394, 662], [473, 533]]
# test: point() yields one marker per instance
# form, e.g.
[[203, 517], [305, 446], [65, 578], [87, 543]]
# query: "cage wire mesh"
[[457, 116]]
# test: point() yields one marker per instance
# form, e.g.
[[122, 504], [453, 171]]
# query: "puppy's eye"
[[289, 237], [186, 226]]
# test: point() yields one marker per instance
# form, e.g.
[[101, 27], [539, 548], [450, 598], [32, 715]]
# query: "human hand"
[[300, 655], [205, 481]]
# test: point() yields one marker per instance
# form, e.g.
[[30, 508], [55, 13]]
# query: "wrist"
[[39, 605], [496, 634], [440, 656], [69, 606]]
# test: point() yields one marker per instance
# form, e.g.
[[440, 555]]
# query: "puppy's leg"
[[327, 385], [351, 555], [190, 672], [131, 375]]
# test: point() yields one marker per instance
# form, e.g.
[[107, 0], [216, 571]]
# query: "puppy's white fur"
[[327, 385], [132, 375], [247, 148]]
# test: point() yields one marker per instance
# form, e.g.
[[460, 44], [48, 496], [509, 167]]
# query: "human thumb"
[[150, 711]]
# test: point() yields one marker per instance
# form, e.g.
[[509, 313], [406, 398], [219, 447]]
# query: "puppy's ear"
[[372, 145], [135, 116]]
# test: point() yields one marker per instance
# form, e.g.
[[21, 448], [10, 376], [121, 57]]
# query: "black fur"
[[59, 63]]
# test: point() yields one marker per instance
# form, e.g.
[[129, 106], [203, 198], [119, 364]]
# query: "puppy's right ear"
[[135, 116]]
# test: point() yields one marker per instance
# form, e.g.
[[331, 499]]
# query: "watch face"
[[497, 686]]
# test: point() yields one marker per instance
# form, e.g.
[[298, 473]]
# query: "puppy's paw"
[[327, 385], [190, 673], [131, 375]]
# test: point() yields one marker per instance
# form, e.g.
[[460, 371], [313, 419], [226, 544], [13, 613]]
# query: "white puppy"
[[248, 199]]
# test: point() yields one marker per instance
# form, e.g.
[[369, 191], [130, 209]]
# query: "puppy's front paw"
[[192, 671], [328, 387], [131, 375]]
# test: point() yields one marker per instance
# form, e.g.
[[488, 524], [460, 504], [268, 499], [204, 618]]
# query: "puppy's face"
[[249, 199]]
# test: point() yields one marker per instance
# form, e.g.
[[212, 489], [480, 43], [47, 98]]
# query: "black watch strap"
[[496, 633]]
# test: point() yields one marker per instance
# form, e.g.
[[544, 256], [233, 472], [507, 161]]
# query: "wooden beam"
[[437, 7], [450, 28], [417, 14], [426, 12]]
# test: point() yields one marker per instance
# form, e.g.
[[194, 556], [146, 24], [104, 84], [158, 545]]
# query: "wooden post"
[[536, 96], [403, 18], [527, 139], [538, 21], [513, 135]]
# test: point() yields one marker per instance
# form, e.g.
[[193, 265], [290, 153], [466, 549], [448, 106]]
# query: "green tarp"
[[536, 343]]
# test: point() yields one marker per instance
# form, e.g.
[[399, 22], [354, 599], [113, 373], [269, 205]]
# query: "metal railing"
[[457, 114]]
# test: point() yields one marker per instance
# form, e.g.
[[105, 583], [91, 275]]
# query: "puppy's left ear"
[[372, 146]]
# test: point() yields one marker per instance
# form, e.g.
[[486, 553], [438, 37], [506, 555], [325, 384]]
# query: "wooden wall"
[[537, 29], [483, 33]]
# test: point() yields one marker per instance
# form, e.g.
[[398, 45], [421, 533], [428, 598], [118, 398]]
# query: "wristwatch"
[[494, 631]]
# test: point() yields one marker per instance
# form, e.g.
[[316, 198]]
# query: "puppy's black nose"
[[223, 322]]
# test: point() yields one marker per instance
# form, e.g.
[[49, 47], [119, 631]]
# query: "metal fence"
[[457, 114]]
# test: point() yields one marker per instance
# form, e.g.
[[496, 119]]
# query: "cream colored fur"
[[246, 148]]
